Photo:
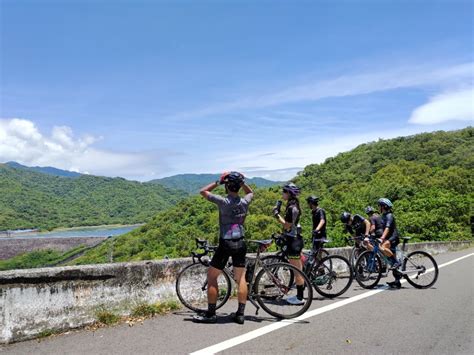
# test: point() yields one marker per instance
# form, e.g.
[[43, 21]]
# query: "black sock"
[[241, 309], [211, 309], [299, 291]]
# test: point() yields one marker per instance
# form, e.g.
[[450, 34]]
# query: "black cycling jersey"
[[376, 221], [319, 214], [388, 221], [292, 215], [358, 226]]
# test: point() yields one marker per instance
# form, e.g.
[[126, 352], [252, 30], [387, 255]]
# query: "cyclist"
[[292, 232], [319, 221], [232, 212], [376, 228], [356, 225], [390, 238]]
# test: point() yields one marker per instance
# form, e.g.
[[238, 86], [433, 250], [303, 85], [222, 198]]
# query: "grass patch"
[[107, 317], [149, 310], [47, 333]]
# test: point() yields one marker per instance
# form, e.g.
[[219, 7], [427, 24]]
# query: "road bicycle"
[[268, 283], [330, 275], [419, 268]]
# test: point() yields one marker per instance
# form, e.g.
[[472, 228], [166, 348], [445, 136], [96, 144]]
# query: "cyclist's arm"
[[248, 192], [367, 227], [206, 190], [385, 233], [321, 222]]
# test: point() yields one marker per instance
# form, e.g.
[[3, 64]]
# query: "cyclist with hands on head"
[[232, 212], [292, 232], [319, 221]]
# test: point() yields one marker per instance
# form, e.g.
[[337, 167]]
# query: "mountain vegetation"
[[428, 177], [45, 170], [192, 183], [30, 199]]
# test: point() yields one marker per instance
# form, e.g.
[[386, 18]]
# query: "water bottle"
[[278, 205]]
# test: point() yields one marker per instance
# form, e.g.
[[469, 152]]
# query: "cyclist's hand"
[[275, 212], [316, 234], [223, 177]]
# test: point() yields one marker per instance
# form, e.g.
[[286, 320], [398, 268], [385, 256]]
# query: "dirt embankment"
[[12, 247]]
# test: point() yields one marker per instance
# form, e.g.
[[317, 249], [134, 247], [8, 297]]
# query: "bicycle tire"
[[191, 287], [332, 276], [274, 259], [272, 293], [368, 269], [420, 263], [355, 253]]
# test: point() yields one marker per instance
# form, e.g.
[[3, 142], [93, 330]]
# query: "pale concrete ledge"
[[60, 298]]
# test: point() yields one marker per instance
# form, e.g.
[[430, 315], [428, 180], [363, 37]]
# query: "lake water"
[[77, 232]]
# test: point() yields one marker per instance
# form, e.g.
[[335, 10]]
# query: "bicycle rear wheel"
[[368, 269], [191, 287], [420, 269], [284, 274], [355, 253], [271, 291], [332, 276]]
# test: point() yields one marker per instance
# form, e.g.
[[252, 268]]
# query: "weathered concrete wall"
[[60, 298]]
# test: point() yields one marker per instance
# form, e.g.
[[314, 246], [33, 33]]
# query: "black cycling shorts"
[[294, 246], [394, 241], [237, 249]]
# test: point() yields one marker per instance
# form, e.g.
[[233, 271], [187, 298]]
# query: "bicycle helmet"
[[385, 202], [292, 189], [345, 217], [369, 210], [233, 181], [314, 200]]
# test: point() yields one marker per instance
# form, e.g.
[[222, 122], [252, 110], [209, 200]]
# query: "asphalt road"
[[439, 320]]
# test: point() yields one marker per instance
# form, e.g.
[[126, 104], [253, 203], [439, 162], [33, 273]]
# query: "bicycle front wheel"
[[284, 274], [273, 294], [368, 269], [420, 269], [332, 276], [191, 287]]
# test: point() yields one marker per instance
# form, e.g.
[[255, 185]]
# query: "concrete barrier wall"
[[60, 298]]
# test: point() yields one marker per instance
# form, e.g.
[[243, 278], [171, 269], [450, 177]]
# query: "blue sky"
[[146, 89]]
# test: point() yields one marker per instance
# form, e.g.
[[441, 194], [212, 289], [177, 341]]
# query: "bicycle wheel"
[[272, 292], [332, 276], [191, 287], [284, 274], [368, 269], [355, 253], [420, 269]]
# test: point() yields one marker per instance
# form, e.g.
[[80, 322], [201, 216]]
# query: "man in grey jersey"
[[232, 212]]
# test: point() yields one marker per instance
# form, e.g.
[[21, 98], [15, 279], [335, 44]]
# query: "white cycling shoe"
[[294, 301]]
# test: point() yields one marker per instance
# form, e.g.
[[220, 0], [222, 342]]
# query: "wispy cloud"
[[342, 86], [21, 141], [451, 106]]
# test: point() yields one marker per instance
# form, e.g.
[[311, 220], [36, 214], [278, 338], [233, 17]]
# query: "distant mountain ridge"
[[191, 183], [44, 169], [31, 199]]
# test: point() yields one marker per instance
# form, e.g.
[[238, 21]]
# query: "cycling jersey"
[[292, 215], [388, 221], [357, 226], [232, 213], [376, 221], [319, 214]]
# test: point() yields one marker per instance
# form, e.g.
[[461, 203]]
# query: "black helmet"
[[292, 189], [385, 202], [345, 217], [369, 210], [314, 200], [233, 181]]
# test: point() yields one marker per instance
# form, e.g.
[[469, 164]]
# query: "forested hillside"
[[191, 183], [30, 199], [429, 177]]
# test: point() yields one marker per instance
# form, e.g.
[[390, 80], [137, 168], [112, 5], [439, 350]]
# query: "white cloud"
[[21, 141], [452, 106], [344, 85]]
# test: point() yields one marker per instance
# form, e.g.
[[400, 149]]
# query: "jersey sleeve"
[[218, 200], [389, 220]]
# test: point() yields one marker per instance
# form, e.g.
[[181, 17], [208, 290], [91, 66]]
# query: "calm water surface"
[[78, 232]]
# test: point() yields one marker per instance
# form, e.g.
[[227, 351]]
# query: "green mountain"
[[44, 169], [429, 177], [30, 199], [192, 183]]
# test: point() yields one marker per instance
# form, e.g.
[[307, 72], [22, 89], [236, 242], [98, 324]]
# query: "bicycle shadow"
[[225, 318]]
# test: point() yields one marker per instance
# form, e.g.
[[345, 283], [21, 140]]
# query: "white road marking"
[[226, 344]]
